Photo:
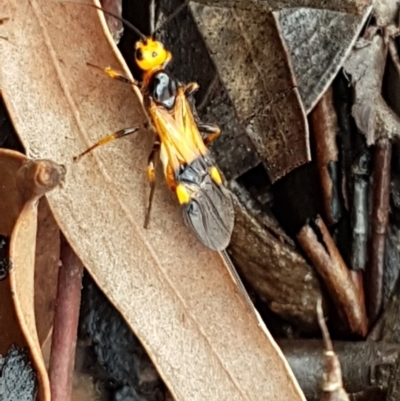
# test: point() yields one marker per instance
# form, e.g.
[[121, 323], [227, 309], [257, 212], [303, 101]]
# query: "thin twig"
[[66, 318], [332, 382], [322, 251], [325, 128], [379, 223]]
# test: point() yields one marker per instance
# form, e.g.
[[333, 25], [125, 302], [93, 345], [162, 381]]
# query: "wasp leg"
[[210, 132], [151, 176], [110, 138], [114, 74], [190, 88]]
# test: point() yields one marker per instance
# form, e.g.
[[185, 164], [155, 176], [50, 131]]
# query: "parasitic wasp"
[[181, 141]]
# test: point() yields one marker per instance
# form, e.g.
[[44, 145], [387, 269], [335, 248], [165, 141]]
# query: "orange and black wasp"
[[181, 141]]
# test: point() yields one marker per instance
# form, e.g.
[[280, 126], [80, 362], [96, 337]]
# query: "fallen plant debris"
[[322, 251], [160, 276], [176, 297], [23, 182]]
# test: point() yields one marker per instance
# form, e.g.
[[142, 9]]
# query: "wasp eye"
[[154, 54], [139, 54]]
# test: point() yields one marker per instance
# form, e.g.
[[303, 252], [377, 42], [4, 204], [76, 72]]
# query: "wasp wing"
[[210, 211]]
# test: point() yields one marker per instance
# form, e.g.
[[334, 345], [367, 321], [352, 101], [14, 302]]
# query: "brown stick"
[[379, 222], [325, 128], [357, 277], [322, 251], [66, 318]]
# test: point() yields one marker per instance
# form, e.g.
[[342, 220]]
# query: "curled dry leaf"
[[253, 66], [11, 204], [176, 295], [23, 182]]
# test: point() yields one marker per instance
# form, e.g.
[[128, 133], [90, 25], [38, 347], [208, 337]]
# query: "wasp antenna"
[[123, 20], [171, 17], [152, 16]]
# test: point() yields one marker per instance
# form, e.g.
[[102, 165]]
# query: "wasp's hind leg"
[[114, 74], [210, 132], [191, 88], [110, 138], [151, 176]]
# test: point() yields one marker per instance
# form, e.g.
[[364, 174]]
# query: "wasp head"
[[150, 54]]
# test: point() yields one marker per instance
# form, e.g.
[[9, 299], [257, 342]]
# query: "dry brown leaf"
[[252, 63], [366, 65], [267, 62], [318, 42], [23, 182], [11, 204], [176, 295], [22, 254]]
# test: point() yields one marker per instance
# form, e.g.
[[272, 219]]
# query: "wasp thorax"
[[150, 54]]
